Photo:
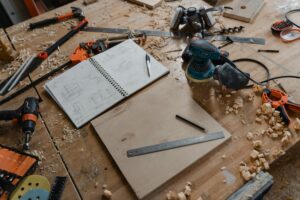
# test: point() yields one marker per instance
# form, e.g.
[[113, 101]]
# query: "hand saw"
[[158, 33]]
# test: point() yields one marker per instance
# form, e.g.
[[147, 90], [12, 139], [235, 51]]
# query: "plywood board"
[[244, 10], [147, 119], [148, 3]]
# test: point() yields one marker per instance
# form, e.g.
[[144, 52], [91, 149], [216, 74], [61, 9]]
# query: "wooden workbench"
[[83, 157]]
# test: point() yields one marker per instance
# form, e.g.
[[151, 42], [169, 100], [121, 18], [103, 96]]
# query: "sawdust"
[[10, 68], [68, 136], [39, 154]]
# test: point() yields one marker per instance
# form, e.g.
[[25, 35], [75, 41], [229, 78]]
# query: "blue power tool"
[[207, 62]]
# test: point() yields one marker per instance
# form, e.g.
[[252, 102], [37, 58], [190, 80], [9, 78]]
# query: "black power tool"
[[193, 20], [206, 62], [26, 115]]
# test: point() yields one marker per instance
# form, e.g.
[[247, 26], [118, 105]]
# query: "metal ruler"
[[175, 144], [157, 33]]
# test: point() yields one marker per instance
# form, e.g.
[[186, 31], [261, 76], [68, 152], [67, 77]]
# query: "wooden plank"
[[147, 119], [86, 157], [244, 10], [148, 3]]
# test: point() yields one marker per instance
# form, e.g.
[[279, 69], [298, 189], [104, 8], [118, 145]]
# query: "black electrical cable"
[[280, 77], [289, 20]]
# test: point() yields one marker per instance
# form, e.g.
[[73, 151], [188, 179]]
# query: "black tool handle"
[[66, 37], [8, 115], [43, 23]]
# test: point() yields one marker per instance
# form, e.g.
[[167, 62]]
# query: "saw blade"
[[157, 33], [175, 144], [126, 31], [250, 40]]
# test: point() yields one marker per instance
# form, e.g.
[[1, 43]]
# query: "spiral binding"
[[108, 77]]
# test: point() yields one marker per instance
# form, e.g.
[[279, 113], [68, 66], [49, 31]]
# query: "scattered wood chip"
[[181, 196], [266, 108], [250, 136], [257, 144], [224, 156], [171, 195], [107, 194], [297, 124], [258, 120], [254, 154]]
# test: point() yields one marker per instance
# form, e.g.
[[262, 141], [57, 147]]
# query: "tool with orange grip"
[[26, 115], [14, 165], [75, 13], [88, 49], [280, 101]]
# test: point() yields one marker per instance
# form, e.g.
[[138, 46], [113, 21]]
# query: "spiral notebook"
[[95, 85]]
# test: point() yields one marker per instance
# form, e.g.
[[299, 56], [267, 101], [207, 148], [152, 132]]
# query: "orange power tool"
[[26, 115], [75, 13], [88, 49], [280, 101], [14, 165]]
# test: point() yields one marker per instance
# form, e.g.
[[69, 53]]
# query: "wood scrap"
[[148, 3], [244, 10]]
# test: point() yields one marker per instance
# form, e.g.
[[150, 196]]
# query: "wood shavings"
[[246, 175], [258, 120], [254, 154], [274, 135], [39, 154], [258, 112], [258, 89], [267, 108], [243, 122], [181, 196], [277, 127], [107, 194], [187, 191], [171, 195], [250, 136], [11, 67], [257, 144], [297, 124], [249, 97]]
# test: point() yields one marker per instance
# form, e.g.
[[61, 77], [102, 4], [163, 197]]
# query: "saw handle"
[[43, 23]]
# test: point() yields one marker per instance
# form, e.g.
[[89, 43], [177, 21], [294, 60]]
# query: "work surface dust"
[[286, 173]]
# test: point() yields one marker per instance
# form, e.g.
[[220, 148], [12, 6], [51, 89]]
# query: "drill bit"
[[27, 138]]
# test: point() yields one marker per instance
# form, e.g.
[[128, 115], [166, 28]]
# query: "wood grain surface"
[[152, 121], [84, 157]]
